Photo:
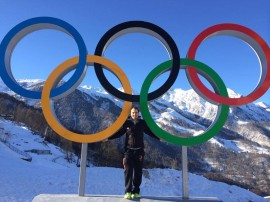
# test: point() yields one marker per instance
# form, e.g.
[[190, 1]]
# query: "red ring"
[[249, 37]]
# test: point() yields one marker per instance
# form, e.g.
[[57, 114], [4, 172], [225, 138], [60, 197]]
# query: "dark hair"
[[136, 108]]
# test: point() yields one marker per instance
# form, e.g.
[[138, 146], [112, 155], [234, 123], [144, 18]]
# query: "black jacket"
[[134, 133]]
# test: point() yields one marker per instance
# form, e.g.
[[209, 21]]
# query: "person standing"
[[134, 128]]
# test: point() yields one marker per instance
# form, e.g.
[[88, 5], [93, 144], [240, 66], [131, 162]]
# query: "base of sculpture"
[[116, 198]]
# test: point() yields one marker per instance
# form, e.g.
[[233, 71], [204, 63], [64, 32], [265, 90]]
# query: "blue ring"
[[12, 84]]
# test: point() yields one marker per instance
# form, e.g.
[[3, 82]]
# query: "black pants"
[[133, 163]]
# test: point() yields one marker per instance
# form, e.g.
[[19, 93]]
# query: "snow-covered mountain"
[[50, 173], [185, 105], [189, 107], [245, 136]]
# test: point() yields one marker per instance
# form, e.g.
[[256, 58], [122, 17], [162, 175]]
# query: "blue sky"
[[137, 54]]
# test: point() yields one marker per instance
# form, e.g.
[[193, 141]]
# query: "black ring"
[[129, 26]]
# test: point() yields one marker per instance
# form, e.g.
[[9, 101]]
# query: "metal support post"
[[83, 169], [185, 193]]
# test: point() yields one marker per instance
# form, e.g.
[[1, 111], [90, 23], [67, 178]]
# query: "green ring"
[[215, 81]]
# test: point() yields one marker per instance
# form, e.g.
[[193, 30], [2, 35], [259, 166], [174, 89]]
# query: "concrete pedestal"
[[116, 198]]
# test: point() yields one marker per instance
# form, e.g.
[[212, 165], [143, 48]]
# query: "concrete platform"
[[115, 198]]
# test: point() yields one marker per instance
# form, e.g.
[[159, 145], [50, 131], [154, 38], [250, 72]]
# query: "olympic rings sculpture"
[[80, 64]]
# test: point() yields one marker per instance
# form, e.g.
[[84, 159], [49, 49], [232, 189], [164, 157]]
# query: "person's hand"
[[161, 140], [105, 140]]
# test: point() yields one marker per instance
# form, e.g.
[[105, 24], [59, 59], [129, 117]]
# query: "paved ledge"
[[115, 198]]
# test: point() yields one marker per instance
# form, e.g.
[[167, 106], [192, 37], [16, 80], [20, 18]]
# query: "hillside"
[[244, 137]]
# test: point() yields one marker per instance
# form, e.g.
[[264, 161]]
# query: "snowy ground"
[[51, 174]]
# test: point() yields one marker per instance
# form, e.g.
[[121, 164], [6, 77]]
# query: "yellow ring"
[[51, 119]]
